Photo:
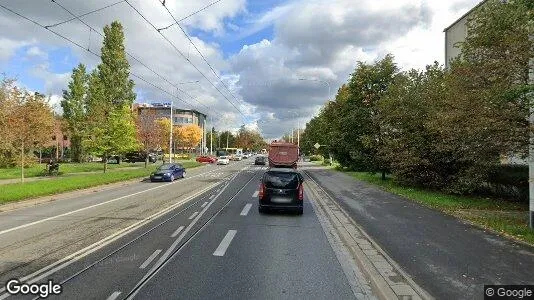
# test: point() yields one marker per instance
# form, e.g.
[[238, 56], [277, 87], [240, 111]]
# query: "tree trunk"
[[105, 162], [22, 162], [383, 175], [146, 161]]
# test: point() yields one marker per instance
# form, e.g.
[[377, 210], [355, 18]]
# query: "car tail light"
[[301, 192], [261, 192]]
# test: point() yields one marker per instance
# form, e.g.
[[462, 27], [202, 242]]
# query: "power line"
[[88, 50], [201, 55], [186, 58], [129, 54], [85, 14], [190, 15]]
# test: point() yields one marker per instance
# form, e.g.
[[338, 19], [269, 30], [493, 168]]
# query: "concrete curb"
[[388, 280]]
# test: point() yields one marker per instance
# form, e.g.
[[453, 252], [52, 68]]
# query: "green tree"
[[356, 135], [410, 144], [73, 105], [110, 96], [114, 70]]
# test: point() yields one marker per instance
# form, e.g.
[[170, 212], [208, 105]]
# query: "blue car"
[[168, 172]]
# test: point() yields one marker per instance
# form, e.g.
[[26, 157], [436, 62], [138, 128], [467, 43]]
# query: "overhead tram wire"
[[198, 51], [85, 14], [191, 14], [129, 54], [186, 58], [88, 50]]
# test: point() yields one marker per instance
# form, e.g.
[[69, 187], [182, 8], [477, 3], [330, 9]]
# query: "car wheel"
[[300, 210], [172, 178], [262, 209], [183, 174]]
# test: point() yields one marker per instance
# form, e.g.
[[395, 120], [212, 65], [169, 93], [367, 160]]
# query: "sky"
[[251, 53]]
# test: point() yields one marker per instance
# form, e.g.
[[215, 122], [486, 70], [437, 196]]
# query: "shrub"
[[316, 158], [507, 181], [326, 161]]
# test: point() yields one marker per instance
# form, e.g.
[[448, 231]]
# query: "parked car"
[[168, 172], [281, 188], [245, 155], [206, 159], [237, 157], [223, 160], [260, 160], [140, 156]]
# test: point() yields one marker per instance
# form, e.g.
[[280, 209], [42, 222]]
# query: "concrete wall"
[[456, 33]]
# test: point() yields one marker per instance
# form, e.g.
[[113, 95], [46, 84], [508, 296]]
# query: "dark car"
[[168, 172], [140, 157], [281, 188], [260, 160]]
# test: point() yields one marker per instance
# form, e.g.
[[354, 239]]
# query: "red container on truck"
[[283, 155]]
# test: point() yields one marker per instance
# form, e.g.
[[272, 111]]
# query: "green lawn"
[[21, 191], [64, 168], [505, 217]]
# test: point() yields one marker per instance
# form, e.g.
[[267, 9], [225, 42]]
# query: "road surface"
[[197, 238]]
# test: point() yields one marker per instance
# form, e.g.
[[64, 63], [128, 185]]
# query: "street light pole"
[[170, 138], [318, 80], [531, 144], [211, 135]]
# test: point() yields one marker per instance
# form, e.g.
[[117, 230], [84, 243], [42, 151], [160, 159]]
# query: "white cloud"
[[320, 39], [35, 51]]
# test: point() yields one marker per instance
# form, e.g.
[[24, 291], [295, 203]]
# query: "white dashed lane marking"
[[174, 234], [223, 246], [245, 210], [150, 259]]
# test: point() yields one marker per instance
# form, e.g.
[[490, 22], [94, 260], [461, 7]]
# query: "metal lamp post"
[[318, 80]]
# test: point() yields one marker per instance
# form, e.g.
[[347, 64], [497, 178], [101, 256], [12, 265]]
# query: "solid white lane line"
[[92, 206], [221, 250], [255, 194], [66, 261], [114, 296], [245, 210], [211, 197], [174, 234], [150, 259], [193, 215], [204, 204], [161, 260]]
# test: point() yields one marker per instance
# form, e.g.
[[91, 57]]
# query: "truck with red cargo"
[[283, 155]]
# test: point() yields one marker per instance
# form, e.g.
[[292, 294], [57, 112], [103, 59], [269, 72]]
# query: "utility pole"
[[227, 134], [531, 144], [170, 139], [298, 133], [211, 135]]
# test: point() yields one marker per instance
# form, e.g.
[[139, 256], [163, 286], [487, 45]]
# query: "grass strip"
[[64, 168], [22, 191]]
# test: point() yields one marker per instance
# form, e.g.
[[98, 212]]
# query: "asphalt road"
[[199, 238], [448, 258]]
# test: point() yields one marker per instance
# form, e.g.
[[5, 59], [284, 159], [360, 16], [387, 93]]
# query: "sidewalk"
[[448, 258], [30, 179]]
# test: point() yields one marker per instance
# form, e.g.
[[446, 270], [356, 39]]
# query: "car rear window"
[[281, 180]]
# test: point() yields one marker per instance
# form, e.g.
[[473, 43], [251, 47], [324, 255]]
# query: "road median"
[[387, 279], [22, 191]]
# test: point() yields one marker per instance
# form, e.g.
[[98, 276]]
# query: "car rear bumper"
[[274, 205], [162, 178]]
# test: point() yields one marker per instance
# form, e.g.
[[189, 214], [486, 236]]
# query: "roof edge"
[[465, 15]]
